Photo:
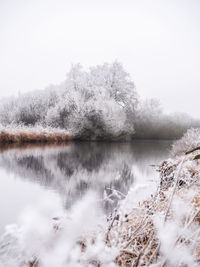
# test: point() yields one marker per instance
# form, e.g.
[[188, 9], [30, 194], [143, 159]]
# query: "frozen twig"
[[192, 150]]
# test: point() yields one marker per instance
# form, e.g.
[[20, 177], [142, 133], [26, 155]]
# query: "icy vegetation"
[[189, 141], [101, 103], [49, 241], [153, 225]]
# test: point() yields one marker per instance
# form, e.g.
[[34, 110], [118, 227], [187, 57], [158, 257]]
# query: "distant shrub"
[[152, 123]]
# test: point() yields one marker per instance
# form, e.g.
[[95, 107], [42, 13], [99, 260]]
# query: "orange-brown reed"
[[32, 137]]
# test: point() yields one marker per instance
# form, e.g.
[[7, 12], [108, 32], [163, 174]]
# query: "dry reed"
[[32, 137]]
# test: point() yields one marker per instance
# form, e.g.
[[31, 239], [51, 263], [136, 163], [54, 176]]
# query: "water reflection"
[[72, 169]]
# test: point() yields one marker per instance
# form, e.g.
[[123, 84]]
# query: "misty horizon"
[[156, 41]]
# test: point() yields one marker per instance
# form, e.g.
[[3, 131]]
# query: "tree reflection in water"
[[72, 169]]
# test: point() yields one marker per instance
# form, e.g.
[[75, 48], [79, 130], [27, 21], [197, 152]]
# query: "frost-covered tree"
[[117, 82], [99, 103]]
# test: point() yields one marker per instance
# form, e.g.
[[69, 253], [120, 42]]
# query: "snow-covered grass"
[[190, 140], [163, 230], [72, 239]]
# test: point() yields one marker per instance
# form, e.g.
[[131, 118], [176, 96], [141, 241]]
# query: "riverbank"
[[164, 228], [54, 136], [27, 135]]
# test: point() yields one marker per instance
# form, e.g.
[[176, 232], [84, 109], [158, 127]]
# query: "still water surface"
[[37, 173]]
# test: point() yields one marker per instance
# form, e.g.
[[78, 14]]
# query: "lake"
[[33, 174]]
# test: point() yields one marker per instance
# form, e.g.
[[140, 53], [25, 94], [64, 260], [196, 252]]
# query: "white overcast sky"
[[158, 42]]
